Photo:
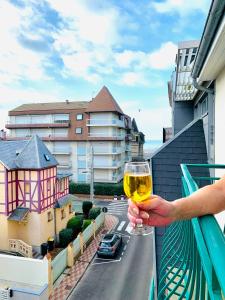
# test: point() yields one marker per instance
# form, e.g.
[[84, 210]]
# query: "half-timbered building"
[[35, 203]]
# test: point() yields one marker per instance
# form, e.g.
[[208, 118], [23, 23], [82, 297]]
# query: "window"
[[27, 188], [46, 157], [79, 117], [192, 58], [63, 214], [194, 50], [185, 60], [78, 130], [70, 209], [50, 216]]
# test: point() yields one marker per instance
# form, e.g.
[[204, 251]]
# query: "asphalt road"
[[128, 275]]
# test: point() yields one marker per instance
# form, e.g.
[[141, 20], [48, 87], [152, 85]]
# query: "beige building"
[[34, 200], [71, 130]]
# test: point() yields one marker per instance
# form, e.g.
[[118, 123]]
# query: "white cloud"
[[126, 58], [163, 58], [183, 7], [17, 62], [133, 79], [149, 121]]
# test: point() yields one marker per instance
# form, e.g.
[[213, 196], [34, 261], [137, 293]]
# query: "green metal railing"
[[193, 254]]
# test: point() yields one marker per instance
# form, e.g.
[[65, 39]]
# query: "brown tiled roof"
[[104, 101], [51, 106]]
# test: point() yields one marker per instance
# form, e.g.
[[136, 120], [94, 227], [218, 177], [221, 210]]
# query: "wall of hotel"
[[12, 191]]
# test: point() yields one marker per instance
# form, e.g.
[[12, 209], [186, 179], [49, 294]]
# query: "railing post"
[[94, 228], [80, 235], [70, 259], [50, 275]]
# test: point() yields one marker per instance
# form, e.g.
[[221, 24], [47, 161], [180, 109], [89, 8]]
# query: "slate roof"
[[188, 146], [32, 154], [134, 125], [64, 200], [19, 214], [51, 106], [104, 102]]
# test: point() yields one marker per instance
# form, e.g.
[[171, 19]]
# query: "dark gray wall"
[[186, 147], [183, 114]]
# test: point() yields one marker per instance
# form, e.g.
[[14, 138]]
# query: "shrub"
[[94, 212], [65, 237], [86, 206], [86, 223], [75, 223], [109, 189]]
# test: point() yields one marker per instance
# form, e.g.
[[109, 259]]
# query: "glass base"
[[140, 229]]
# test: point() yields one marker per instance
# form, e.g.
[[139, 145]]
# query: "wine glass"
[[137, 185]]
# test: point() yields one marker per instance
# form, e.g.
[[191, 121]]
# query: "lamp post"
[[92, 174]]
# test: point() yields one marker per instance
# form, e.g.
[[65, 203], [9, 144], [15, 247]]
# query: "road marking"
[[128, 228], [119, 228], [107, 262]]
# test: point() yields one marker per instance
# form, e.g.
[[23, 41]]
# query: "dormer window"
[[46, 156]]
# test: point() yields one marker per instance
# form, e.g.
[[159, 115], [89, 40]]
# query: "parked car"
[[109, 245]]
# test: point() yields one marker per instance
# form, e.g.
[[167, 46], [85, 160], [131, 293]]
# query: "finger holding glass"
[[138, 187]]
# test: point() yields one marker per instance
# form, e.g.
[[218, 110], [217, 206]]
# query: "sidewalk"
[[71, 276]]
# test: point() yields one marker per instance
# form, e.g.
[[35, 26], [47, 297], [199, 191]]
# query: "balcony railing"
[[108, 164], [193, 254], [61, 151], [27, 124], [106, 122], [20, 247], [106, 150], [106, 135]]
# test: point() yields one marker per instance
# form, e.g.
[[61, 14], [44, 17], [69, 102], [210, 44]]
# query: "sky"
[[53, 50]]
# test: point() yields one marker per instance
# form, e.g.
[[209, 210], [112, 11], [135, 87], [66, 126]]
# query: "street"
[[128, 275]]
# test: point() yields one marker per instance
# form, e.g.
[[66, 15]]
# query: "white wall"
[[24, 270], [219, 132]]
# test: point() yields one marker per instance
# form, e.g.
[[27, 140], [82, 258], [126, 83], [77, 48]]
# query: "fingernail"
[[135, 210], [145, 215], [139, 221]]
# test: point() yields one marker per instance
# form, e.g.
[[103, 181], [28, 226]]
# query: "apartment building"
[[80, 134], [137, 142], [180, 88]]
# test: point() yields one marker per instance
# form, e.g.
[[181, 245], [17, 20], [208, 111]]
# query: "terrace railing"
[[193, 254]]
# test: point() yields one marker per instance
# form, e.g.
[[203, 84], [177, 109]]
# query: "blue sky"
[[52, 50]]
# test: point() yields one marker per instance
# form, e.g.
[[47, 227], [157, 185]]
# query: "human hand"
[[155, 211]]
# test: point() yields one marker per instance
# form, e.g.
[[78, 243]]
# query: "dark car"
[[109, 245]]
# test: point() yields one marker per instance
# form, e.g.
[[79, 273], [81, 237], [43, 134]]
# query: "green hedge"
[[86, 223], [65, 237], [109, 189], [75, 223], [94, 212]]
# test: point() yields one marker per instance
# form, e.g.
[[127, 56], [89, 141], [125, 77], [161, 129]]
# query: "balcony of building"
[[27, 124], [106, 122], [192, 259], [61, 151], [47, 137], [108, 164], [108, 150], [67, 164], [105, 136]]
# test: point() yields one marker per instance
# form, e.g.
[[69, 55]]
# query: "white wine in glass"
[[138, 187]]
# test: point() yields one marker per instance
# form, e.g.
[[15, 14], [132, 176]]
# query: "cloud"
[[133, 79], [16, 61], [149, 120], [163, 58], [182, 7]]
